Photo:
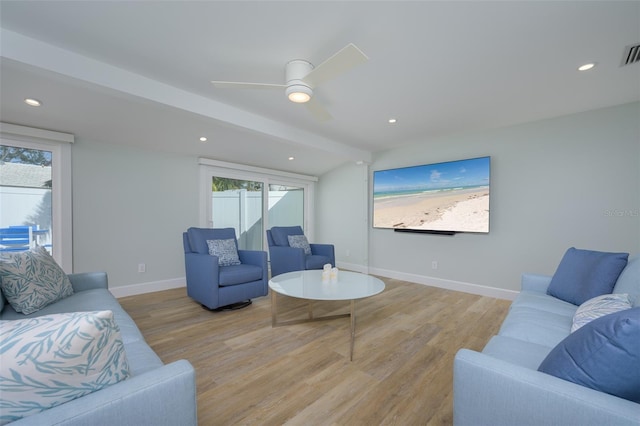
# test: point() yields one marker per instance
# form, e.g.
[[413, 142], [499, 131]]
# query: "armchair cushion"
[[281, 234], [585, 274], [603, 355], [238, 274], [225, 250], [299, 241]]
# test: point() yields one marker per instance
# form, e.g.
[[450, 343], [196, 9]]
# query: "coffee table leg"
[[273, 308], [353, 326]]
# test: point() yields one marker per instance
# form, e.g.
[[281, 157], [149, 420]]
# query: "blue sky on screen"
[[454, 174]]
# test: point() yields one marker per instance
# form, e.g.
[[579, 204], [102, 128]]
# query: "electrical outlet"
[[434, 264], [142, 267]]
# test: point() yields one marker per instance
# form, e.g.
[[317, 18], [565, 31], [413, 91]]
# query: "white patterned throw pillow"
[[32, 279], [226, 251], [52, 359], [299, 241], [599, 306]]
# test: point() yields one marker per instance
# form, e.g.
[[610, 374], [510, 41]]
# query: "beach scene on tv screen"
[[451, 196]]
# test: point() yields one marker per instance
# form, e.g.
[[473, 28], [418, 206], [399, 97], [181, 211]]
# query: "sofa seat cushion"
[[141, 357], [544, 302], [603, 355], [89, 300], [316, 261], [239, 274], [585, 274], [536, 326], [516, 351], [52, 359]]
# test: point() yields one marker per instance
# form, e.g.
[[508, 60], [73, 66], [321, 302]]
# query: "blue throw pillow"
[[603, 355], [585, 274], [226, 251], [300, 241]]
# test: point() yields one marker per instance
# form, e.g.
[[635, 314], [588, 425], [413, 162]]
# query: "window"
[[251, 200], [35, 191]]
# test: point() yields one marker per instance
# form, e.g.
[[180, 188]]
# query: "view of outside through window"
[[25, 198], [239, 204]]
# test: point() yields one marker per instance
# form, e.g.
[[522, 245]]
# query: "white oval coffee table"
[[309, 285]]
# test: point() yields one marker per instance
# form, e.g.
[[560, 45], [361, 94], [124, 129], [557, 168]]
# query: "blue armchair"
[[216, 286], [285, 258]]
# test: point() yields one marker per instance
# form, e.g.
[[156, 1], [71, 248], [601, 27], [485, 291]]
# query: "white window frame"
[[59, 144], [210, 168]]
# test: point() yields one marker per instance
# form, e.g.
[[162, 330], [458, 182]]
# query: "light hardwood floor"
[[249, 373]]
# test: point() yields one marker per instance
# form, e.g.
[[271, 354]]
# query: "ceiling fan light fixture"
[[299, 93]]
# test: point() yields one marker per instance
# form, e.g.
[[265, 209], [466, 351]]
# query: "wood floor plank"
[[252, 374]]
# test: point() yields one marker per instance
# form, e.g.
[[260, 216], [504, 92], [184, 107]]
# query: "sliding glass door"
[[237, 204], [251, 201]]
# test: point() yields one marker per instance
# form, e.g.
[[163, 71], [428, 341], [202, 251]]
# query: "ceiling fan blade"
[[342, 61], [243, 85], [318, 110]]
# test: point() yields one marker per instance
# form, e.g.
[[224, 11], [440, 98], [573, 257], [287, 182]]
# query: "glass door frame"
[[59, 144], [210, 168]]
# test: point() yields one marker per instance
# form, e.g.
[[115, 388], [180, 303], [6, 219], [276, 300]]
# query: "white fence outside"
[[242, 210]]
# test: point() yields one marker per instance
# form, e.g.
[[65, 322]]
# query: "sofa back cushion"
[[629, 281], [52, 359], [585, 274], [603, 355]]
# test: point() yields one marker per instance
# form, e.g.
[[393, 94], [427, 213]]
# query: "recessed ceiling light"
[[291, 158], [32, 102], [392, 121], [586, 67], [203, 139]]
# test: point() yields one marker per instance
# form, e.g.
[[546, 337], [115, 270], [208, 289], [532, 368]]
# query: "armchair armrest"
[[202, 273], [258, 258], [489, 391], [324, 250], [88, 281], [253, 257], [286, 259], [164, 396], [535, 283]]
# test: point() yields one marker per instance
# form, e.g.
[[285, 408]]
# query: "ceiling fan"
[[302, 78]]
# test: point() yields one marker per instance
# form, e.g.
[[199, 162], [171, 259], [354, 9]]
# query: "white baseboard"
[[481, 290], [150, 287], [352, 267]]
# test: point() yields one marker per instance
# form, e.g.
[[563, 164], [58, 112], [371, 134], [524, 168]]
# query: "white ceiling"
[[138, 73]]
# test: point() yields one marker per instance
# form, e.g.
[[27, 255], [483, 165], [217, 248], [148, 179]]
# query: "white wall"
[[342, 216], [568, 181], [131, 206]]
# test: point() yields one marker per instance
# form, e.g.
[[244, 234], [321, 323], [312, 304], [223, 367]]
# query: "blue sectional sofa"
[[153, 394], [502, 385]]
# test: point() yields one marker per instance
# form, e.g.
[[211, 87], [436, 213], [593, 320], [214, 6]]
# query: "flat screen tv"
[[442, 198]]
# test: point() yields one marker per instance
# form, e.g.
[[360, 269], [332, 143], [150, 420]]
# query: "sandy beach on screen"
[[462, 210]]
